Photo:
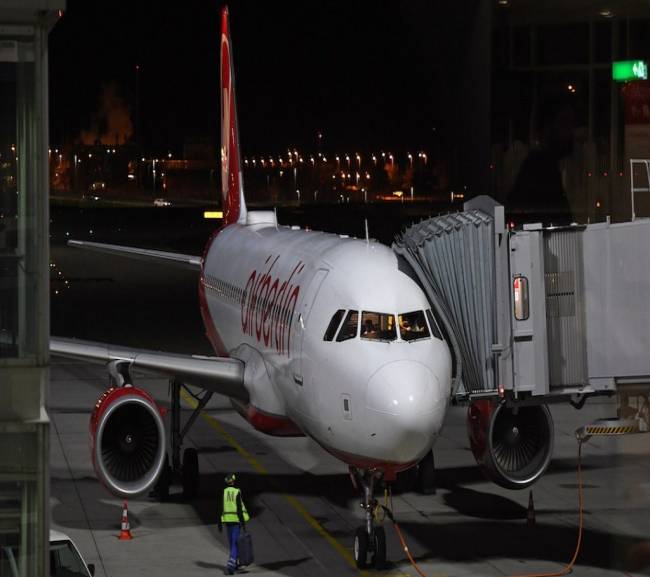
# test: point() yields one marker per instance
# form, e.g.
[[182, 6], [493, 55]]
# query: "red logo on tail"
[[231, 185]]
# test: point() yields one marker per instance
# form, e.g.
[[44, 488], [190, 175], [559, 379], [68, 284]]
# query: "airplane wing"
[[182, 260], [217, 374]]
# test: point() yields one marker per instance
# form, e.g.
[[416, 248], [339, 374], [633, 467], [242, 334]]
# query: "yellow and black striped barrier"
[[595, 430], [608, 427]]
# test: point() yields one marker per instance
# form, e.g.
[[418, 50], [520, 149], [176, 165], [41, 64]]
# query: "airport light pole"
[[137, 105]]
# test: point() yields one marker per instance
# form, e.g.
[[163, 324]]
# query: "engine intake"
[[513, 446], [127, 440]]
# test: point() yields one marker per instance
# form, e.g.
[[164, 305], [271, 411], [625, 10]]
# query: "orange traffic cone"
[[125, 533], [530, 516]]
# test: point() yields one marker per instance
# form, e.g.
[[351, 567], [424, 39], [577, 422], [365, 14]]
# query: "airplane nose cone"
[[410, 401]]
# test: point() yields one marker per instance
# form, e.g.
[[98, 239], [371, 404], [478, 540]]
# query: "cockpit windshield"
[[381, 327], [378, 326], [350, 327], [413, 326]]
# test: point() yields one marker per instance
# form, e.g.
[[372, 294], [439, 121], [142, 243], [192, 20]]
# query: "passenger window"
[[378, 326], [435, 330], [334, 324], [350, 327], [413, 326]]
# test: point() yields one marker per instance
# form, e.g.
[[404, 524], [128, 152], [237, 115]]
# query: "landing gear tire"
[[361, 543], [427, 475], [161, 488], [379, 558], [190, 473]]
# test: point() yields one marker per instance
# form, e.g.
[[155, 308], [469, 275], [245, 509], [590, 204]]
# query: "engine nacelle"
[[127, 440], [513, 446]]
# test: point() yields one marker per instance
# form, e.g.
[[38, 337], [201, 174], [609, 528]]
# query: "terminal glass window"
[[21, 201], [378, 326], [334, 324], [350, 327], [413, 326], [24, 286]]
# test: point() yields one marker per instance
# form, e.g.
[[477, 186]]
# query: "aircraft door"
[[301, 323]]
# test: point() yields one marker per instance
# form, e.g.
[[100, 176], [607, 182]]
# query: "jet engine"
[[513, 445], [127, 440]]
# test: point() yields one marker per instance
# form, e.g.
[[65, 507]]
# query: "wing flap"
[[217, 374], [181, 260]]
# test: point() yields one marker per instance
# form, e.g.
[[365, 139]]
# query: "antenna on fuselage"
[[365, 220]]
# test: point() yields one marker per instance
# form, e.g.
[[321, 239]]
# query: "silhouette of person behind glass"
[[369, 331], [538, 186]]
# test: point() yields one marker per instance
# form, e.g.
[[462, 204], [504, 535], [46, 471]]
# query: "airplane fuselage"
[[270, 297]]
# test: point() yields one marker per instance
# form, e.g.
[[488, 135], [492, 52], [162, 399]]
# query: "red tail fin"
[[232, 188]]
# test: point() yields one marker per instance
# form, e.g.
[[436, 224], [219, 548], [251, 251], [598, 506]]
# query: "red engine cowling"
[[127, 440], [513, 445]]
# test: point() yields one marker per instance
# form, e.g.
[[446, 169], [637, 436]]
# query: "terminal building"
[[24, 285], [554, 90]]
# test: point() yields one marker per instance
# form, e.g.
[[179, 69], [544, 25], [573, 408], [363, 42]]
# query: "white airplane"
[[315, 334]]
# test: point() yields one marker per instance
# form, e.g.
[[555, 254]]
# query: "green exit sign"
[[625, 70]]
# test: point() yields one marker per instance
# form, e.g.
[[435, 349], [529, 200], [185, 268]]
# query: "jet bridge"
[[540, 312], [532, 316]]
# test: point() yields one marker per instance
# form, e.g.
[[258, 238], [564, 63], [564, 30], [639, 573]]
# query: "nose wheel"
[[369, 539]]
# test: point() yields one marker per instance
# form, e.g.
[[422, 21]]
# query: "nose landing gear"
[[369, 539]]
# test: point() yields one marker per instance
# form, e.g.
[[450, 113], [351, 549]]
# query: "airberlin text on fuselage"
[[268, 304]]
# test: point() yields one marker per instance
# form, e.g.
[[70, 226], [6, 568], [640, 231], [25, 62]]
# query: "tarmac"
[[304, 510], [303, 507]]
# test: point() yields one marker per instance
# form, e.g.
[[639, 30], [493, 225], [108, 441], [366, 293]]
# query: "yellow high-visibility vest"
[[229, 514]]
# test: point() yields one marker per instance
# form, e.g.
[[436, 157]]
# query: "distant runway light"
[[213, 214]]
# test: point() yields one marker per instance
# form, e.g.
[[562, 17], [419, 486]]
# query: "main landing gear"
[[420, 477], [369, 539], [187, 470]]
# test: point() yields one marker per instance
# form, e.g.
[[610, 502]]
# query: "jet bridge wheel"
[[190, 473], [361, 546]]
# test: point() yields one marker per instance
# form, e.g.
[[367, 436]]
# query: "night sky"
[[369, 74]]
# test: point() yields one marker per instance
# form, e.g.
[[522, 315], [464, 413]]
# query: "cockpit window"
[[378, 326], [334, 324], [413, 326], [434, 325], [350, 327]]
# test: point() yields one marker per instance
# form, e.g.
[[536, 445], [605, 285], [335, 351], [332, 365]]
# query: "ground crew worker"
[[232, 514]]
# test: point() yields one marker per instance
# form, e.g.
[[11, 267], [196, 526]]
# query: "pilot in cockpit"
[[368, 330]]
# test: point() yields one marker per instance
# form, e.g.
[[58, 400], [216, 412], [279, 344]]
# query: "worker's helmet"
[[230, 478]]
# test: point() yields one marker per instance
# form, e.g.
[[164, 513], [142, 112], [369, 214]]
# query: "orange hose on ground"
[[406, 550], [569, 567], [564, 571]]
